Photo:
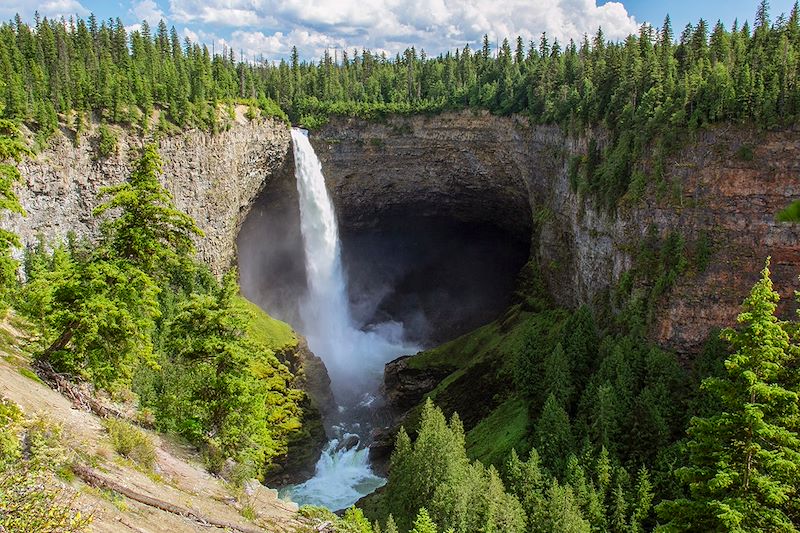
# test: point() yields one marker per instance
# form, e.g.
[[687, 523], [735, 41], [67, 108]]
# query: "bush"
[[31, 501], [9, 440], [131, 442], [313, 122], [106, 141], [791, 213]]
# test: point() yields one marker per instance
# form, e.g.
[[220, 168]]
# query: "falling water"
[[354, 357]]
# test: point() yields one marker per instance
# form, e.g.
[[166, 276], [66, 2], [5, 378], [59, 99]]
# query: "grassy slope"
[[481, 388], [271, 332]]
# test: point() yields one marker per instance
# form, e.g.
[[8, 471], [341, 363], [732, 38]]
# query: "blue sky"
[[271, 27]]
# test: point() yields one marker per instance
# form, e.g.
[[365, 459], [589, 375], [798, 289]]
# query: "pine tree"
[[12, 149], [557, 376], [149, 228], [390, 525], [423, 523], [744, 460], [562, 513], [553, 435]]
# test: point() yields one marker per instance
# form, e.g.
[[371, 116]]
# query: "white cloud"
[[52, 9], [147, 10], [271, 27], [62, 8]]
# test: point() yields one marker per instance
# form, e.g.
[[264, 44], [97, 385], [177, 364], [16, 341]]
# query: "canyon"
[[439, 213]]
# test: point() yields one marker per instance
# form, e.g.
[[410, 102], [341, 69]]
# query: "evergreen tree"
[[744, 460], [563, 513], [423, 523], [553, 435], [229, 394], [558, 377], [12, 149], [149, 229], [96, 317]]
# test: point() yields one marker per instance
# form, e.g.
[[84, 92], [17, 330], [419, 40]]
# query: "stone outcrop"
[[406, 386], [503, 171], [213, 177]]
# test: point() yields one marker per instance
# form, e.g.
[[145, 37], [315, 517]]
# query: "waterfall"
[[354, 357]]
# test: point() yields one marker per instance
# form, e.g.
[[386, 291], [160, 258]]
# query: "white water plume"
[[354, 357]]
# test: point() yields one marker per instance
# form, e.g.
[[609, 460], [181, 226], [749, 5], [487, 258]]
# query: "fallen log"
[[84, 401], [95, 479]]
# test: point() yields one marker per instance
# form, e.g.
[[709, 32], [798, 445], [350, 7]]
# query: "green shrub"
[[106, 141], [270, 108], [30, 500], [790, 214], [313, 122], [745, 153], [9, 440], [131, 442]]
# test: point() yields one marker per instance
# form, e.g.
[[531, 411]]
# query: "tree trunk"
[[61, 342]]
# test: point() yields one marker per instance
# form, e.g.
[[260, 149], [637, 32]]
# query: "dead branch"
[[93, 478]]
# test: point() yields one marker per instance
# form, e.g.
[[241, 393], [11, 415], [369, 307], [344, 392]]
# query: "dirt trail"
[[178, 478]]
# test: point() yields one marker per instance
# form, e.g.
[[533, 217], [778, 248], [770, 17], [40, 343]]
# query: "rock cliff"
[[504, 172], [214, 178], [726, 185]]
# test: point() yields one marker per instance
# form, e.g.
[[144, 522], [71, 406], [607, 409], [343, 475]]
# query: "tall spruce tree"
[[149, 230], [744, 460]]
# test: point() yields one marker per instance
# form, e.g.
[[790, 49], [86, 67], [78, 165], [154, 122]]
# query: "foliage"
[[149, 229], [219, 387], [31, 499], [744, 458], [647, 91], [30, 502], [10, 450], [136, 310], [434, 472], [95, 315], [790, 214], [106, 141], [12, 149], [131, 442]]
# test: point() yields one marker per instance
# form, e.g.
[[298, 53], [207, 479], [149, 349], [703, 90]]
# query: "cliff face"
[[214, 178], [504, 172], [726, 186]]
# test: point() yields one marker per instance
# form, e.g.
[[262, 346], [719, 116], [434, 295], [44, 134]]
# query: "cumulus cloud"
[[53, 9], [271, 27], [147, 10]]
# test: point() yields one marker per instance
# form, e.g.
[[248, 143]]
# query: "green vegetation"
[[606, 448], [791, 213], [647, 92], [136, 312], [744, 458], [131, 442], [31, 498], [106, 141], [12, 149]]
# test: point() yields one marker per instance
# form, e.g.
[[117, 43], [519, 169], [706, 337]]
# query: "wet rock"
[[348, 443], [380, 449], [405, 386]]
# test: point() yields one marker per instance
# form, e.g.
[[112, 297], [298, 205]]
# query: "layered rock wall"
[[726, 185], [506, 172], [214, 178]]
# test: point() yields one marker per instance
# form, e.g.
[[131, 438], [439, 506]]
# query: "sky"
[[269, 28]]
